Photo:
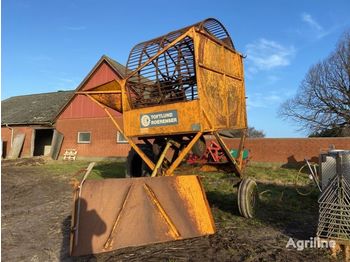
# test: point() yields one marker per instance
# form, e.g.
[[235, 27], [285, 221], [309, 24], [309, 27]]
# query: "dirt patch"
[[34, 161], [36, 206]]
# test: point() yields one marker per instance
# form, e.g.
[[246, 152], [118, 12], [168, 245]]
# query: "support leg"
[[183, 153], [228, 155]]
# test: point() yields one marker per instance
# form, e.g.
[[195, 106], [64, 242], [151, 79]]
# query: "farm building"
[[85, 125], [27, 123], [73, 120]]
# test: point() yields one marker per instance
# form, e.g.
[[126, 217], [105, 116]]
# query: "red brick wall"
[[27, 130], [103, 137], [103, 142], [274, 150], [288, 150]]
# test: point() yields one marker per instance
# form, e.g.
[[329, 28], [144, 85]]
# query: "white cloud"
[[307, 18], [266, 54], [259, 100], [317, 29]]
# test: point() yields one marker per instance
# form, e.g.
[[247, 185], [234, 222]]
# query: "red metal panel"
[[83, 107], [103, 74]]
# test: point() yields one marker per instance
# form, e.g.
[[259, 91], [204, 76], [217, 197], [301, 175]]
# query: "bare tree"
[[322, 103], [252, 132]]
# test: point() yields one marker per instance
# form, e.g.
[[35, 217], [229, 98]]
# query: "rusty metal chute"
[[139, 211]]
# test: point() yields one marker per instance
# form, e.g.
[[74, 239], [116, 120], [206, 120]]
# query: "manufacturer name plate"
[[165, 118]]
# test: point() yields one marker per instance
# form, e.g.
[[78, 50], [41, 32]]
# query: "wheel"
[[247, 197], [200, 147], [135, 166], [304, 181]]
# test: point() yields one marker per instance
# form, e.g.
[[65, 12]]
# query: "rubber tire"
[[200, 147], [247, 197], [135, 166]]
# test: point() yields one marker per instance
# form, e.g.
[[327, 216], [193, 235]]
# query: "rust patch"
[[109, 220]]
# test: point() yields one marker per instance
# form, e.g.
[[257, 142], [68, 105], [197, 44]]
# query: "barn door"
[[56, 144], [16, 147]]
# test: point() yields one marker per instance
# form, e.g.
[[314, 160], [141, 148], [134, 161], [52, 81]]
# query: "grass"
[[101, 170], [108, 169], [278, 175], [279, 205], [274, 181]]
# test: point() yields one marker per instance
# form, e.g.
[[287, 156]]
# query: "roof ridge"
[[110, 58], [120, 68]]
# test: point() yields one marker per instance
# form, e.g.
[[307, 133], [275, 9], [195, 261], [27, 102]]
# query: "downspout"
[[11, 133]]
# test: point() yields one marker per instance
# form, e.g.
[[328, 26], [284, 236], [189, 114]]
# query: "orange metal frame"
[[218, 66]]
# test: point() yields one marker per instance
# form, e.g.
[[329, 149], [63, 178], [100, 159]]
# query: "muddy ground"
[[36, 206]]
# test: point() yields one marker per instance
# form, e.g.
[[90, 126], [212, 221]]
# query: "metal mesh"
[[168, 78], [334, 205], [171, 76]]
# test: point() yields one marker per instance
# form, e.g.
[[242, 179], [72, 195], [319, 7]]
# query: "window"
[[84, 137], [121, 139]]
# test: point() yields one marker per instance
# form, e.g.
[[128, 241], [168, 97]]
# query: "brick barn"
[[75, 119], [31, 117], [85, 125]]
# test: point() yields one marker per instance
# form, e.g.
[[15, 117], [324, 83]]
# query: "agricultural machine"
[[178, 88], [214, 155]]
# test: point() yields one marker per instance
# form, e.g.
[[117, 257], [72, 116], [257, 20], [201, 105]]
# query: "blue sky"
[[52, 45]]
